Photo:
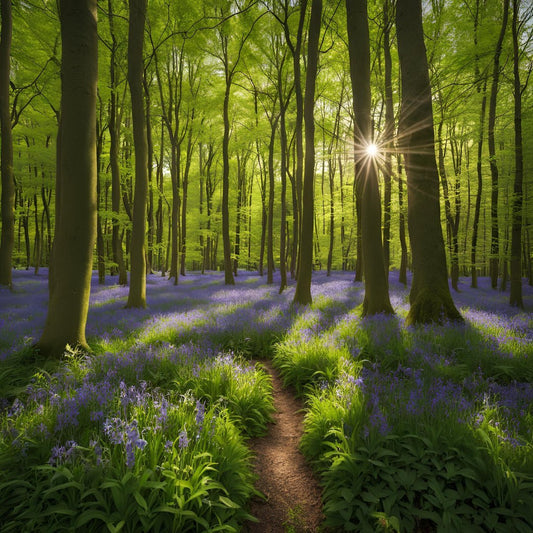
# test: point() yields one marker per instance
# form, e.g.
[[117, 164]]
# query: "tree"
[[7, 202], [494, 242], [388, 134], [71, 261], [137, 292], [114, 139], [430, 298], [515, 297], [302, 295], [376, 298]]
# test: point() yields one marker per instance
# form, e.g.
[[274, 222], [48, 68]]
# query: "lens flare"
[[372, 150]]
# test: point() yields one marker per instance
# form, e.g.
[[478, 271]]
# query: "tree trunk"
[[114, 139], [515, 298], [270, 220], [298, 132], [402, 275], [302, 294], [137, 292], [71, 263], [376, 298], [388, 136], [7, 202], [283, 174], [430, 296], [494, 242], [100, 248], [38, 239], [477, 208], [185, 184], [150, 163], [226, 243]]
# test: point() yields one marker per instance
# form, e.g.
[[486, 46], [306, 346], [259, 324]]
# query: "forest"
[[208, 205]]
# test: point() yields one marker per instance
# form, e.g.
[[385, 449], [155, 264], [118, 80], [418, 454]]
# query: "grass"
[[410, 428]]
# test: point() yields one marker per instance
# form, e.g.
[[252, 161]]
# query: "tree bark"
[[494, 242], [515, 298], [7, 202], [402, 275], [302, 294], [71, 263], [114, 137], [430, 296], [388, 135], [296, 49], [376, 298], [271, 187], [137, 292], [283, 103], [477, 208]]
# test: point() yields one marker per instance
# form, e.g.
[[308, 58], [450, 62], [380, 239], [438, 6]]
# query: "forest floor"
[[292, 494]]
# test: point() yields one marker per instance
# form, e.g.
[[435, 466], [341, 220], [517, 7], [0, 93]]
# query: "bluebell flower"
[[183, 440]]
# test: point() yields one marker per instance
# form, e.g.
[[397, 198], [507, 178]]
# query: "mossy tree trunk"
[[72, 258], [137, 292], [376, 298], [430, 296]]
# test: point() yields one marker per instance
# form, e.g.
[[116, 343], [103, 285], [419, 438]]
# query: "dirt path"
[[293, 502]]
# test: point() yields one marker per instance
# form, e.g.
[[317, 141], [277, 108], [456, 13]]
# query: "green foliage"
[[306, 362], [193, 483], [411, 483]]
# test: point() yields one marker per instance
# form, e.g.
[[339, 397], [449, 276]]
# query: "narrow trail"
[[293, 496]]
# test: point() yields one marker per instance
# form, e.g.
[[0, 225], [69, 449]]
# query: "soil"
[[292, 494]]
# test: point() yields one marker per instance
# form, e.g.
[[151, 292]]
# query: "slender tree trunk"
[[75, 233], [7, 202], [264, 216], [137, 292], [376, 298], [38, 238], [100, 248], [226, 242], [447, 207], [270, 220], [159, 210], [241, 193], [388, 136], [150, 157], [515, 298], [359, 268], [185, 185], [402, 275], [302, 294], [298, 175], [494, 242], [430, 296], [283, 174], [201, 169], [479, 170], [114, 139], [331, 176]]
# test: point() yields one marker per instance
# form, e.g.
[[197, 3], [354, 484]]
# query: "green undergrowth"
[[423, 428], [148, 438]]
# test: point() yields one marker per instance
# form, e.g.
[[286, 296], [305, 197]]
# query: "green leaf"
[[140, 500], [229, 503], [91, 514]]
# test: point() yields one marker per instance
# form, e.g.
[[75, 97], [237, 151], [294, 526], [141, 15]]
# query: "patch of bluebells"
[[63, 454], [393, 397], [119, 431]]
